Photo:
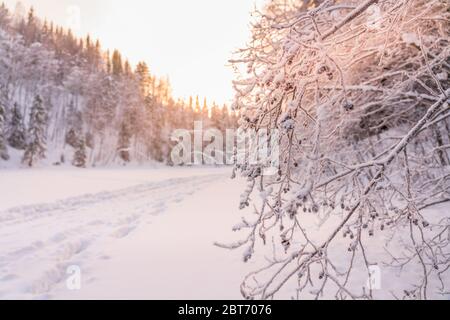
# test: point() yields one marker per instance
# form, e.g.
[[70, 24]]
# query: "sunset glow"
[[189, 41]]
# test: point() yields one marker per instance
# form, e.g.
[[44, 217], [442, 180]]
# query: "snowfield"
[[133, 234]]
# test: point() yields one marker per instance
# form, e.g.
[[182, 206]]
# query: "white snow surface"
[[135, 233]]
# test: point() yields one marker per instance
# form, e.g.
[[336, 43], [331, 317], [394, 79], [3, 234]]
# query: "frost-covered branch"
[[363, 111]]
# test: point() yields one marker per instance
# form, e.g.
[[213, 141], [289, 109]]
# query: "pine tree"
[[127, 69], [143, 76], [3, 148], [124, 141], [37, 134], [17, 136], [79, 159], [117, 65], [47, 35], [108, 62], [31, 27], [156, 114], [205, 109], [216, 117], [205, 114], [72, 138], [75, 124], [5, 17], [198, 109], [97, 55]]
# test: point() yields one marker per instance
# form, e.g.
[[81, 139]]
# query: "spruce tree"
[[36, 147], [75, 125], [72, 138], [79, 159], [117, 65], [17, 135], [3, 148]]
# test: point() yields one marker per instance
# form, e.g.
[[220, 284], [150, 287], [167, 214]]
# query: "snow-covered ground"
[[135, 233]]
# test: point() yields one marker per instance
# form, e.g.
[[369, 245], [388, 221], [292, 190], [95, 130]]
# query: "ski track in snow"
[[42, 240]]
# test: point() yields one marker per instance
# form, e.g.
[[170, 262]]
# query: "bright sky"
[[188, 40]]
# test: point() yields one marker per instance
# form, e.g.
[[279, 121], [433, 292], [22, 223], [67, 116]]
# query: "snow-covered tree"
[[31, 29], [72, 138], [123, 147], [5, 16], [358, 92], [3, 147], [80, 157], [74, 123], [37, 145], [16, 130], [144, 78], [155, 111]]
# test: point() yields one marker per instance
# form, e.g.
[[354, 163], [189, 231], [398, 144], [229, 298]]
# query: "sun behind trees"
[[91, 97], [360, 93]]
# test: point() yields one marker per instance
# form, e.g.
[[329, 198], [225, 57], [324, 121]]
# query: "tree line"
[[65, 99]]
